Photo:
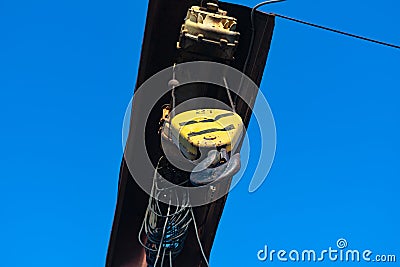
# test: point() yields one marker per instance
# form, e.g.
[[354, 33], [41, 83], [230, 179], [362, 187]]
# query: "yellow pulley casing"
[[206, 129]]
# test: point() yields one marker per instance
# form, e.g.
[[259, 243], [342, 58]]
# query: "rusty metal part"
[[209, 30]]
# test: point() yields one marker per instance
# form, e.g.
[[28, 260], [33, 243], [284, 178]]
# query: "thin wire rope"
[[198, 238], [163, 256], [151, 209], [228, 91], [173, 92], [144, 224], [162, 237], [336, 31]]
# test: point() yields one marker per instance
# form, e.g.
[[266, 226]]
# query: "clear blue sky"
[[68, 69]]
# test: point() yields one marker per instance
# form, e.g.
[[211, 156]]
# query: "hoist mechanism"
[[208, 32], [164, 229], [202, 133]]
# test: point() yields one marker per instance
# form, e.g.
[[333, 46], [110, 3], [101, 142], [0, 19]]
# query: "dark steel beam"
[[164, 19]]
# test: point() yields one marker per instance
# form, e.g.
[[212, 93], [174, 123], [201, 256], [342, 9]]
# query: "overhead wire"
[[308, 24], [336, 31]]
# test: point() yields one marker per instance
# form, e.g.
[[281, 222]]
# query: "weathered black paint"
[[164, 19]]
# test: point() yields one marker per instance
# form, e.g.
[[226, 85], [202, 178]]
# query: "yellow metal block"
[[205, 128]]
